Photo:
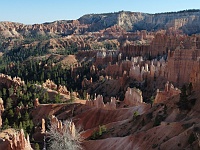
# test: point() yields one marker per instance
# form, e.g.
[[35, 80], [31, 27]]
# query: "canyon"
[[116, 80]]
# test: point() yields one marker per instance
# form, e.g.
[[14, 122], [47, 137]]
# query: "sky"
[[40, 11]]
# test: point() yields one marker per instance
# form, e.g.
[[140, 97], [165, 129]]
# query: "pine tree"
[[5, 124], [15, 126], [57, 98], [9, 103], [26, 116], [10, 114], [20, 125], [72, 98], [37, 146]]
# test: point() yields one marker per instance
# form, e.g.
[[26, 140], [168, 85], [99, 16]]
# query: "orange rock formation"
[[168, 92], [133, 97], [98, 103], [14, 140]]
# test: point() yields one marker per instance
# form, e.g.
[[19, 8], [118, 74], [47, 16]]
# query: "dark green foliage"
[[143, 122], [182, 11], [6, 124], [158, 120], [9, 103], [72, 97], [37, 146], [187, 125], [135, 114], [102, 129], [57, 98], [191, 138], [184, 103], [149, 115], [154, 146], [85, 94]]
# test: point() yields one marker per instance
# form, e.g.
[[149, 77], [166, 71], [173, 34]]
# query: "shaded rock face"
[[13, 140], [195, 75], [183, 66], [168, 92], [160, 43]]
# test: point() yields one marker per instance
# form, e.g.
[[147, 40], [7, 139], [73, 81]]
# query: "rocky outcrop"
[[8, 81], [133, 97], [14, 140], [63, 90], [137, 68], [195, 75], [49, 84], [181, 66], [168, 92], [36, 103], [52, 86], [86, 82], [43, 128], [1, 110], [98, 103], [104, 57], [62, 127]]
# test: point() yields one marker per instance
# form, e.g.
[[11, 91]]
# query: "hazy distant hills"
[[187, 21]]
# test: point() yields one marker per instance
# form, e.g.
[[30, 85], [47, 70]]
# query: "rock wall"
[[168, 92], [181, 66], [133, 97], [104, 57], [195, 75], [161, 42], [137, 68], [98, 103]]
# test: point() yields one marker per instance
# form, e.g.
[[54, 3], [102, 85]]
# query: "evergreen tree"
[[5, 124], [9, 103], [20, 125], [57, 98], [72, 97], [37, 146], [15, 126], [10, 114], [26, 116]]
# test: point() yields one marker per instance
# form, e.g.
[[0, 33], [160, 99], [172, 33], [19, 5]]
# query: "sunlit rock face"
[[98, 103], [133, 97], [14, 140], [183, 66]]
